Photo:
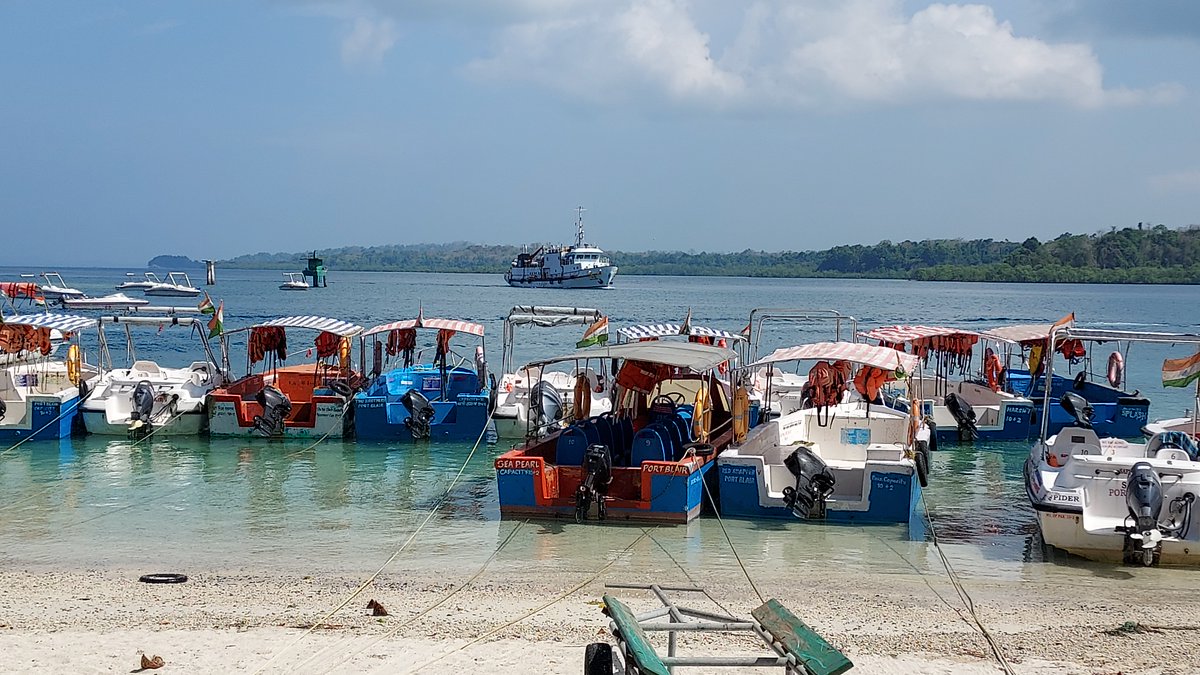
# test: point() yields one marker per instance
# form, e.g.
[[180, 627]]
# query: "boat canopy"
[[67, 323], [1029, 332], [1101, 335], [899, 334], [659, 330], [690, 355], [440, 324], [548, 317], [335, 326], [855, 352]]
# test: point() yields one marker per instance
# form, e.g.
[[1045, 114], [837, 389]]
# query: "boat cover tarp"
[[899, 334], [547, 316], [1101, 335], [335, 326], [67, 323], [690, 355], [440, 324], [1029, 332], [659, 330], [855, 352]]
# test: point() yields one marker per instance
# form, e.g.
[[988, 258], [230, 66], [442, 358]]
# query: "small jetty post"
[[316, 271], [210, 272]]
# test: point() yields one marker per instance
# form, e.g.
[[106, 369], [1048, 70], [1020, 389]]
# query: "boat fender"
[[163, 578], [340, 387], [1080, 380], [1116, 369], [921, 459], [699, 449]]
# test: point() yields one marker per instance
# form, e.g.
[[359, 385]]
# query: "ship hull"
[[596, 277]]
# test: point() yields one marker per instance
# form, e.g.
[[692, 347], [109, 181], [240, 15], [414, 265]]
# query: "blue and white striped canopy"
[[335, 326], [67, 323], [659, 330]]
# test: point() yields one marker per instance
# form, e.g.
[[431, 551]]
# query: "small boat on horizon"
[[293, 281], [56, 289], [178, 285], [151, 279], [105, 302], [555, 266]]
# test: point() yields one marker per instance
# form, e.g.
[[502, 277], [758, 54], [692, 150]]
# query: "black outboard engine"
[[964, 415], [814, 484], [545, 405], [3, 408], [420, 414], [1144, 499], [1078, 407], [143, 405], [597, 475], [276, 407]]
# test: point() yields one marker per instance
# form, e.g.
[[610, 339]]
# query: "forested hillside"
[[1132, 255]]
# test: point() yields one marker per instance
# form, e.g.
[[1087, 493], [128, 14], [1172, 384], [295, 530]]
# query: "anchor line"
[[721, 522], [965, 597], [690, 577], [412, 536], [536, 610]]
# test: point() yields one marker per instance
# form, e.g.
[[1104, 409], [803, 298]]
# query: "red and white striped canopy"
[[440, 324], [854, 352], [899, 334]]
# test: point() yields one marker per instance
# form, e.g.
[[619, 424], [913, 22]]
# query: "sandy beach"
[[254, 621]]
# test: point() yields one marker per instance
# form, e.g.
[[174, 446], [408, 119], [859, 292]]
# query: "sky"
[[211, 129]]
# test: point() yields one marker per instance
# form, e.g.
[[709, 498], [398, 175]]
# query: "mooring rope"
[[432, 512], [71, 408], [717, 513]]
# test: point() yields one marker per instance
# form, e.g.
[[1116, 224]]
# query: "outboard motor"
[[3, 408], [143, 405], [420, 414], [545, 406], [276, 407], [814, 484], [597, 475], [1078, 407], [1144, 499], [964, 415]]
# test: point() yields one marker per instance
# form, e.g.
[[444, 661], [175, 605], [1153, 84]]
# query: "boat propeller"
[[814, 484]]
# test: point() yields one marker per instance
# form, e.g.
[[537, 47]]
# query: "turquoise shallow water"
[[225, 504]]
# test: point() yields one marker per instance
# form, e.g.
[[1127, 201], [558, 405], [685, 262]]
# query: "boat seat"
[[604, 428], [1079, 441], [650, 444], [572, 445], [148, 367], [590, 430]]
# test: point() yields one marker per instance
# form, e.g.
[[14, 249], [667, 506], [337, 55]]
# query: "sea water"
[[256, 504]]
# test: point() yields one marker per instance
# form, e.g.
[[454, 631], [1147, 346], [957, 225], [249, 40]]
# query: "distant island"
[[1134, 255], [174, 263]]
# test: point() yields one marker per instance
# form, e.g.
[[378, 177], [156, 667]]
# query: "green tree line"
[[1140, 254]]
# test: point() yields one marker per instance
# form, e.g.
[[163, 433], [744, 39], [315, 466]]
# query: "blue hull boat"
[[1116, 414], [458, 407]]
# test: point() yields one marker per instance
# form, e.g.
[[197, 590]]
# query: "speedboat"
[[650, 459], [1118, 413], [116, 301], [1108, 499], [56, 289], [178, 284], [293, 281], [534, 402], [309, 400], [767, 386], [841, 455], [963, 408], [151, 279], [147, 398], [39, 394], [423, 392], [578, 266]]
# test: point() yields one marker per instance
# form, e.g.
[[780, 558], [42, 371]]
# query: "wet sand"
[[893, 622]]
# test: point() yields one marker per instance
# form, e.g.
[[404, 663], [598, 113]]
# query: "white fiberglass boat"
[[151, 279], [1108, 499], [177, 285], [293, 281], [147, 398], [836, 458], [110, 301], [578, 266], [55, 288]]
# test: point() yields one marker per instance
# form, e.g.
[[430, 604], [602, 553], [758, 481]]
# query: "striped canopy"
[[67, 323], [696, 357], [854, 352], [335, 326], [440, 324], [659, 330], [899, 334], [1023, 333]]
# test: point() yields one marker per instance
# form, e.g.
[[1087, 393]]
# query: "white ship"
[[578, 266]]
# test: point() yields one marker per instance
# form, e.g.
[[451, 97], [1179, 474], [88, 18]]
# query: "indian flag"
[[596, 334], [39, 300], [206, 305], [216, 325], [1181, 372]]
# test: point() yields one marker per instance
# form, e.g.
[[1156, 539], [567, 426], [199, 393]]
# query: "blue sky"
[[212, 129]]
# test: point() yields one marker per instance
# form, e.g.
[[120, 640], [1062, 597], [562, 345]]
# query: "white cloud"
[[368, 41], [1179, 181], [818, 52]]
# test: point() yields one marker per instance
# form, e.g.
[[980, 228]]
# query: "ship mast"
[[579, 225]]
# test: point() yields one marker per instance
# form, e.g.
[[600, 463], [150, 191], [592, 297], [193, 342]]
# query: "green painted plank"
[[816, 655], [639, 648]]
